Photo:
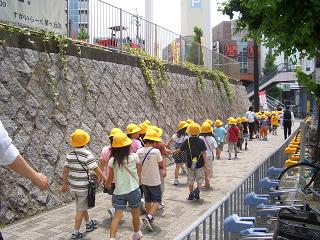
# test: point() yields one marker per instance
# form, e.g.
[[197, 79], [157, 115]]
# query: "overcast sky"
[[166, 12]]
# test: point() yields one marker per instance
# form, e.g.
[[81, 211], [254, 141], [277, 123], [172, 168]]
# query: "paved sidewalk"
[[177, 215]]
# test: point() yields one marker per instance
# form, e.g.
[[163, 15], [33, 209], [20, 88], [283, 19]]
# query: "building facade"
[[231, 45], [78, 16]]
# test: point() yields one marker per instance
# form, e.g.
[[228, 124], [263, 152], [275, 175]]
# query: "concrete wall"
[[120, 96]]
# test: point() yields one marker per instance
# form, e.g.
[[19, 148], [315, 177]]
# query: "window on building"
[[243, 56]]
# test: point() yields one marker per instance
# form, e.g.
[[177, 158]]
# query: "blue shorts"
[[132, 198], [152, 193]]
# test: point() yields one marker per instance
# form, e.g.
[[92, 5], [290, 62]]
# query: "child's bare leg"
[[177, 169], [78, 220], [115, 222]]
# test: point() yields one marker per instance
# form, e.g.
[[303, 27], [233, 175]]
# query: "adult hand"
[[41, 181]]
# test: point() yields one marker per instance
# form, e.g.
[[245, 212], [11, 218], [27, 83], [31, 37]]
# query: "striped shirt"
[[78, 178]]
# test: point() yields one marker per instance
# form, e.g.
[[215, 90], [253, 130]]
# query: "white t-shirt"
[[179, 140], [8, 152], [250, 116], [150, 174], [211, 144]]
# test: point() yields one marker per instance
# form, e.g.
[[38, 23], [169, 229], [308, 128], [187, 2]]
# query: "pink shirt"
[[105, 156], [135, 145]]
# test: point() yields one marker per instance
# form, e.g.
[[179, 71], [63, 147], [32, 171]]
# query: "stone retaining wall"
[[119, 96]]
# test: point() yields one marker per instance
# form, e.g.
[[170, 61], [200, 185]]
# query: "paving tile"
[[178, 214]]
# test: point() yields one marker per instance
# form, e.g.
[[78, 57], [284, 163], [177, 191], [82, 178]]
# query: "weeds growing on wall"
[[62, 43], [148, 64], [217, 77]]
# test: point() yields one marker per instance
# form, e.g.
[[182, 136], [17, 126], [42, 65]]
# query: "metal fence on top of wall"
[[117, 29], [210, 224]]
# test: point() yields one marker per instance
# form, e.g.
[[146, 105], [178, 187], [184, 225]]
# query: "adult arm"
[[21, 167], [9, 156]]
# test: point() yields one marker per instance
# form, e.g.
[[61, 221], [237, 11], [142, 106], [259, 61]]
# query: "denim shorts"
[[152, 193], [132, 198]]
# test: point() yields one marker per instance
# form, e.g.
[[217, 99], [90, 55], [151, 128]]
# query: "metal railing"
[[283, 67], [210, 224], [118, 30]]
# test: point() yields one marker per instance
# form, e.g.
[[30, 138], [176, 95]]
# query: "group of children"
[[133, 166], [267, 122]]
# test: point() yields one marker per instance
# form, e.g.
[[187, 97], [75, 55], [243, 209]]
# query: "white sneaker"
[[111, 212], [176, 181], [161, 206]]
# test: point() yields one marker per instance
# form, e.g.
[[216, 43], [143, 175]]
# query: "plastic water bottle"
[[194, 163]]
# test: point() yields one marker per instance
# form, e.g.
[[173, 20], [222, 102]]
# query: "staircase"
[[284, 72]]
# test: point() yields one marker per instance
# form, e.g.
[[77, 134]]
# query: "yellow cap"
[[239, 120], [157, 129], [194, 129], [189, 121], [244, 119], [143, 126], [79, 138], [206, 128], [182, 125], [218, 123], [232, 121], [209, 121], [120, 140], [263, 116], [229, 118], [132, 128], [147, 122], [114, 131], [153, 135]]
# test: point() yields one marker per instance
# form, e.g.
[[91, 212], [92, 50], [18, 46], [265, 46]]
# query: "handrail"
[[282, 67], [252, 175], [275, 100]]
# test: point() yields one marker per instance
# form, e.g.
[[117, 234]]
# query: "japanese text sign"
[[43, 14]]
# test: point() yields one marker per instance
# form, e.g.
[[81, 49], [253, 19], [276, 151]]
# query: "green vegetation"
[[63, 43], [287, 28], [148, 64], [269, 65], [275, 92], [82, 34], [217, 77], [195, 48]]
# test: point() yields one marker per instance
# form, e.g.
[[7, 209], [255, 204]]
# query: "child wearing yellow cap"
[[274, 123], [150, 160], [133, 132], [219, 133], [125, 168], [177, 139], [264, 126], [240, 139], [103, 164], [211, 144], [233, 136], [76, 171], [196, 159], [246, 134]]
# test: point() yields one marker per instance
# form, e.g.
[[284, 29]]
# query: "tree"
[[288, 26], [275, 92], [269, 66], [195, 52], [82, 34]]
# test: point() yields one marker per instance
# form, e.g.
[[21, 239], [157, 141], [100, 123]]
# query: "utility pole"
[[256, 99]]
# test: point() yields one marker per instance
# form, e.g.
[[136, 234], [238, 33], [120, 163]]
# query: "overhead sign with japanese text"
[[44, 14], [195, 3]]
